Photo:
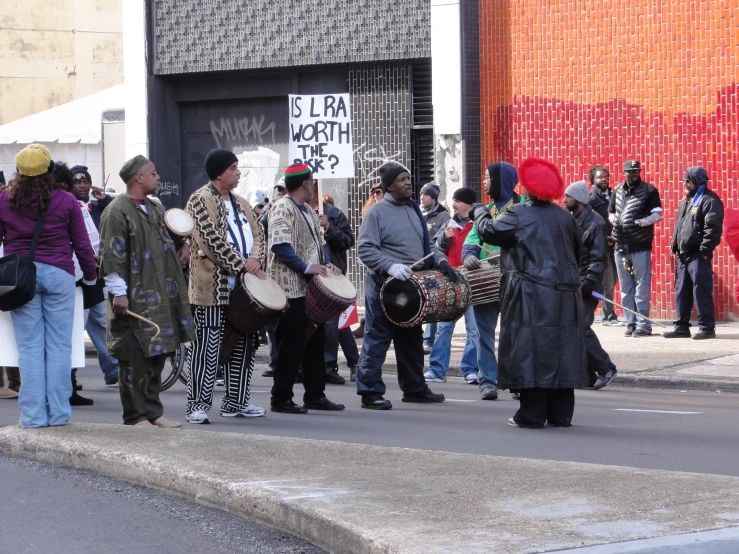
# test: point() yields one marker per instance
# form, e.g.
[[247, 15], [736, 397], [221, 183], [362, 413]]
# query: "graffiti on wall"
[[369, 160], [242, 130]]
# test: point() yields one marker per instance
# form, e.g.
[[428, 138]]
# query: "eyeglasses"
[[375, 192]]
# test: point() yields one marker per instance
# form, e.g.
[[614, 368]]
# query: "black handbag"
[[18, 275]]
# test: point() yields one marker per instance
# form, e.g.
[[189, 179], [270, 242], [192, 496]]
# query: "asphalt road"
[[54, 509], [605, 430]]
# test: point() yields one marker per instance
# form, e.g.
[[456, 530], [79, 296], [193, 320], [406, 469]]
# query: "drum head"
[[265, 291], [338, 285], [179, 222], [402, 300]]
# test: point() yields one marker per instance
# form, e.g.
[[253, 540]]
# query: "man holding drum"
[[226, 241], [296, 255], [392, 238]]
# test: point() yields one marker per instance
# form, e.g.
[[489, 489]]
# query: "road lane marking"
[[654, 411], [458, 400]]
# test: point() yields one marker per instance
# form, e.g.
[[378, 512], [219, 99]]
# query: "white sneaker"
[[617, 323], [220, 382], [198, 416], [432, 377], [472, 379], [249, 411]]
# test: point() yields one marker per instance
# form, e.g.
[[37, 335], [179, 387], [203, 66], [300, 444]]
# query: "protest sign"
[[321, 134]]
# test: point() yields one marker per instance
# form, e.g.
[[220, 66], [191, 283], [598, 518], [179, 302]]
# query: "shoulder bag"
[[18, 275]]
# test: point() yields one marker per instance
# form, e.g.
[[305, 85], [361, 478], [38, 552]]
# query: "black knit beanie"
[[80, 172], [388, 172], [217, 161], [466, 195]]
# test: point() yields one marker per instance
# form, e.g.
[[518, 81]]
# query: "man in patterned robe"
[[143, 275], [296, 247], [227, 240]]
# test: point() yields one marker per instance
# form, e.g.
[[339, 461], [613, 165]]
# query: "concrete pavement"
[[353, 498]]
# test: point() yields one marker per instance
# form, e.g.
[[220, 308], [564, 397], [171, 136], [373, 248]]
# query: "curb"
[[248, 503], [661, 382]]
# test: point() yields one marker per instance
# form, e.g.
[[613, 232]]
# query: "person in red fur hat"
[[541, 351]]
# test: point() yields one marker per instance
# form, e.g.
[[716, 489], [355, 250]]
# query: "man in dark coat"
[[697, 234], [339, 239], [541, 351], [599, 199], [593, 264]]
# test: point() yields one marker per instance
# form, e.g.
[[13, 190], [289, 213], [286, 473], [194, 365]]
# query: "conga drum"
[[253, 303], [427, 297], [180, 225], [484, 283], [325, 299]]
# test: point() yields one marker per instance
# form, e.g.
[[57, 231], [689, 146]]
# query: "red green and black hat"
[[296, 174]]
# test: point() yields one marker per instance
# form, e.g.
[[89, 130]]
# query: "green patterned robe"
[[138, 247]]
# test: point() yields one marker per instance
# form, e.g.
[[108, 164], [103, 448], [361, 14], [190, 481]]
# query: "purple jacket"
[[63, 231]]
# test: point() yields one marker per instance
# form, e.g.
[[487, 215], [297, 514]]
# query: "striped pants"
[[203, 362]]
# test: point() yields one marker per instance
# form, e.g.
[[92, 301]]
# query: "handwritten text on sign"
[[321, 134]]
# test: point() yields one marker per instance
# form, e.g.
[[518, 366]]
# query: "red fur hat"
[[541, 179]]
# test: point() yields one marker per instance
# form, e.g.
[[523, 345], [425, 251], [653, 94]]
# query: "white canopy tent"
[[72, 132]]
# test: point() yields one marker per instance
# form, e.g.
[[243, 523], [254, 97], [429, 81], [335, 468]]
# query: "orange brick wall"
[[581, 83]]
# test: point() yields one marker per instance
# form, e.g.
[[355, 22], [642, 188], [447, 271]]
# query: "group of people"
[[551, 260]]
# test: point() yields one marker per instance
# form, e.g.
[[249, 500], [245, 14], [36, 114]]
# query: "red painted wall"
[[585, 83]]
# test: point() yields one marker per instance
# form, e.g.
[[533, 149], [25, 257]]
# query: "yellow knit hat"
[[33, 160]]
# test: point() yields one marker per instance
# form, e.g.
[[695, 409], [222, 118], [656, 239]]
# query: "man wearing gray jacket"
[[393, 235]]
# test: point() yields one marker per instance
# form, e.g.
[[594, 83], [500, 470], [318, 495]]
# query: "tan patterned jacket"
[[212, 258]]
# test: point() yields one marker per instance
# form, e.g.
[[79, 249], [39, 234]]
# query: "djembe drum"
[[253, 303], [427, 297], [180, 225], [325, 299]]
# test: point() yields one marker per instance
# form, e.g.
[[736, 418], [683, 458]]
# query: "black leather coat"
[[541, 333], [594, 253]]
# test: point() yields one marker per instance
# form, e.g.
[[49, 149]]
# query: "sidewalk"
[[393, 500], [651, 361]]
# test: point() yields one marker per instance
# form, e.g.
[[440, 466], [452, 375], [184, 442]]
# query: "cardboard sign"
[[349, 317], [321, 134]]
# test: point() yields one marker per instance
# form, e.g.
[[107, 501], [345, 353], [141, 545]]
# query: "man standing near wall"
[[634, 209], [436, 215], [697, 233], [600, 197]]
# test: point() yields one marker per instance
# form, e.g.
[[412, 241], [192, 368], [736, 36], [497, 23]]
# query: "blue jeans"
[[378, 334], [43, 333], [442, 350], [486, 317], [96, 327], [635, 288], [429, 334]]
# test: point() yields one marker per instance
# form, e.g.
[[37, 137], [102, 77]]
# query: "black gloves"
[[587, 287], [448, 271], [472, 263], [478, 211]]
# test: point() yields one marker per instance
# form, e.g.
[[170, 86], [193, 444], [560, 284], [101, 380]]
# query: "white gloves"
[[400, 272]]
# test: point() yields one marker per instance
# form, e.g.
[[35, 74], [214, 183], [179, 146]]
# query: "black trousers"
[[599, 362], [292, 351], [694, 283], [539, 406], [335, 337]]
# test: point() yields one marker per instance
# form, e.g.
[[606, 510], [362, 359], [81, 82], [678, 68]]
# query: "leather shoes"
[[705, 334], [287, 407], [333, 378], [425, 397], [375, 402], [324, 404], [677, 332]]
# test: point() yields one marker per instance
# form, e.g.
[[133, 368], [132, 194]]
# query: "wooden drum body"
[[484, 283], [326, 297], [427, 297], [253, 303]]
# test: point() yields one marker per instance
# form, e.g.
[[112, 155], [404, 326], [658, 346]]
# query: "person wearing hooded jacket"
[[697, 233], [542, 347], [593, 267], [501, 179]]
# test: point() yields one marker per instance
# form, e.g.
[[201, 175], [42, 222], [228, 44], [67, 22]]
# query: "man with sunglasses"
[[698, 229]]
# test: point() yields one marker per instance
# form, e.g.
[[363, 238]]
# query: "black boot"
[[76, 399]]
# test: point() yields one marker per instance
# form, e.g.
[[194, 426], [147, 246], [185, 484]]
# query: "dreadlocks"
[[24, 192]]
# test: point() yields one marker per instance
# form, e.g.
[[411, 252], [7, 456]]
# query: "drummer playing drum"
[[296, 254], [226, 241]]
